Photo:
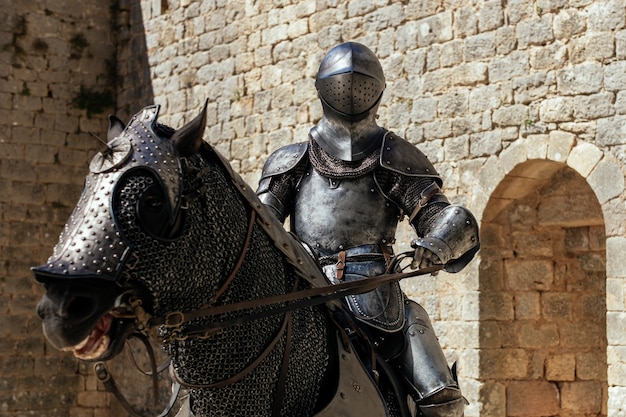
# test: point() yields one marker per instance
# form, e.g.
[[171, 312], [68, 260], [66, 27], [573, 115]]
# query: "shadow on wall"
[[543, 296]]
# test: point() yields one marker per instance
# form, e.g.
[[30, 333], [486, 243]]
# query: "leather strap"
[[104, 376], [295, 300], [428, 193], [341, 264]]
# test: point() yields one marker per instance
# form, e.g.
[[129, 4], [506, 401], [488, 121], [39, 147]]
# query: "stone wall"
[[500, 95], [57, 82]]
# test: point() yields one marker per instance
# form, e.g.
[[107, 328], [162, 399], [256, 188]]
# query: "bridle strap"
[[239, 262], [296, 300], [245, 371], [104, 376]]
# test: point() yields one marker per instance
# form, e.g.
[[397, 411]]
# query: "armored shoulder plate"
[[403, 157], [284, 159]]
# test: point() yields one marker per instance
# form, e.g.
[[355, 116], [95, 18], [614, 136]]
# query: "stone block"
[[561, 367], [617, 400], [533, 244], [490, 334], [514, 115], [567, 211], [557, 109], [496, 305], [527, 305], [585, 78], [529, 275], [548, 57], [615, 76], [615, 294], [606, 180], [605, 15], [487, 143], [534, 32], [490, 16], [582, 397], [480, 46], [568, 23], [557, 306], [584, 157], [470, 74], [484, 97], [438, 129], [572, 333], [616, 325], [537, 146], [513, 65], [532, 399], [503, 363], [464, 21], [493, 399], [434, 29], [591, 366], [437, 81], [453, 104], [506, 41], [576, 239], [560, 145], [611, 131]]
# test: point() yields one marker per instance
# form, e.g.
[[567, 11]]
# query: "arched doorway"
[[542, 298]]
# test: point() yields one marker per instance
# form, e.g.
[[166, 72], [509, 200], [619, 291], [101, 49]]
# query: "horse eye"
[[153, 202]]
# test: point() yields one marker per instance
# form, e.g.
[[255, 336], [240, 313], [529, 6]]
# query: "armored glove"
[[452, 241], [423, 257]]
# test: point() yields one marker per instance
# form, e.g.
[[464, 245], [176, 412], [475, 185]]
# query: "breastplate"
[[331, 215]]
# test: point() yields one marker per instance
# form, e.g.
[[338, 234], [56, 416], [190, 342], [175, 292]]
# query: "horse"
[[168, 241]]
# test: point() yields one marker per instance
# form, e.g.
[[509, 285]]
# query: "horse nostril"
[[78, 307], [40, 311]]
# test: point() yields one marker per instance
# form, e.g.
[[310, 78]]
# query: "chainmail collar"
[[334, 168]]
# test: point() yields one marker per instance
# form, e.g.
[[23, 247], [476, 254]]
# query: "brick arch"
[[542, 280]]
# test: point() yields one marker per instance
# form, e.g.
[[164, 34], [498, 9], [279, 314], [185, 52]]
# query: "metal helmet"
[[350, 83], [350, 80]]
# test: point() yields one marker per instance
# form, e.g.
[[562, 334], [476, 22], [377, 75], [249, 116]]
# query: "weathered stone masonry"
[[520, 104]]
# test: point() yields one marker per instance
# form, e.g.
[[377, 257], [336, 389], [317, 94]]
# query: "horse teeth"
[[99, 351], [77, 346]]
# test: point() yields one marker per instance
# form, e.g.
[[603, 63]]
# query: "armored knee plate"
[[435, 390]]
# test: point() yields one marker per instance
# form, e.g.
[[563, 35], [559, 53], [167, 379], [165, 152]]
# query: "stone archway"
[[542, 300]]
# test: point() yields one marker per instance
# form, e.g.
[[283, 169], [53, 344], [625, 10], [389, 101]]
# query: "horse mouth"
[[97, 343]]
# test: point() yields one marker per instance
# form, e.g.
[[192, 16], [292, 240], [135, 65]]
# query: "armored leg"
[[436, 392]]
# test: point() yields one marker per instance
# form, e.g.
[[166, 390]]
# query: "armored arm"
[[281, 174], [447, 234], [452, 237]]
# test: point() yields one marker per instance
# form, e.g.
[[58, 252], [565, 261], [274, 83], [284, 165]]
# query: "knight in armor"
[[345, 190]]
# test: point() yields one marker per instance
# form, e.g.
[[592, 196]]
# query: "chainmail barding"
[[183, 274]]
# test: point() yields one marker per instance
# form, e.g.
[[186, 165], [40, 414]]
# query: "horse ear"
[[188, 138], [116, 127]]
